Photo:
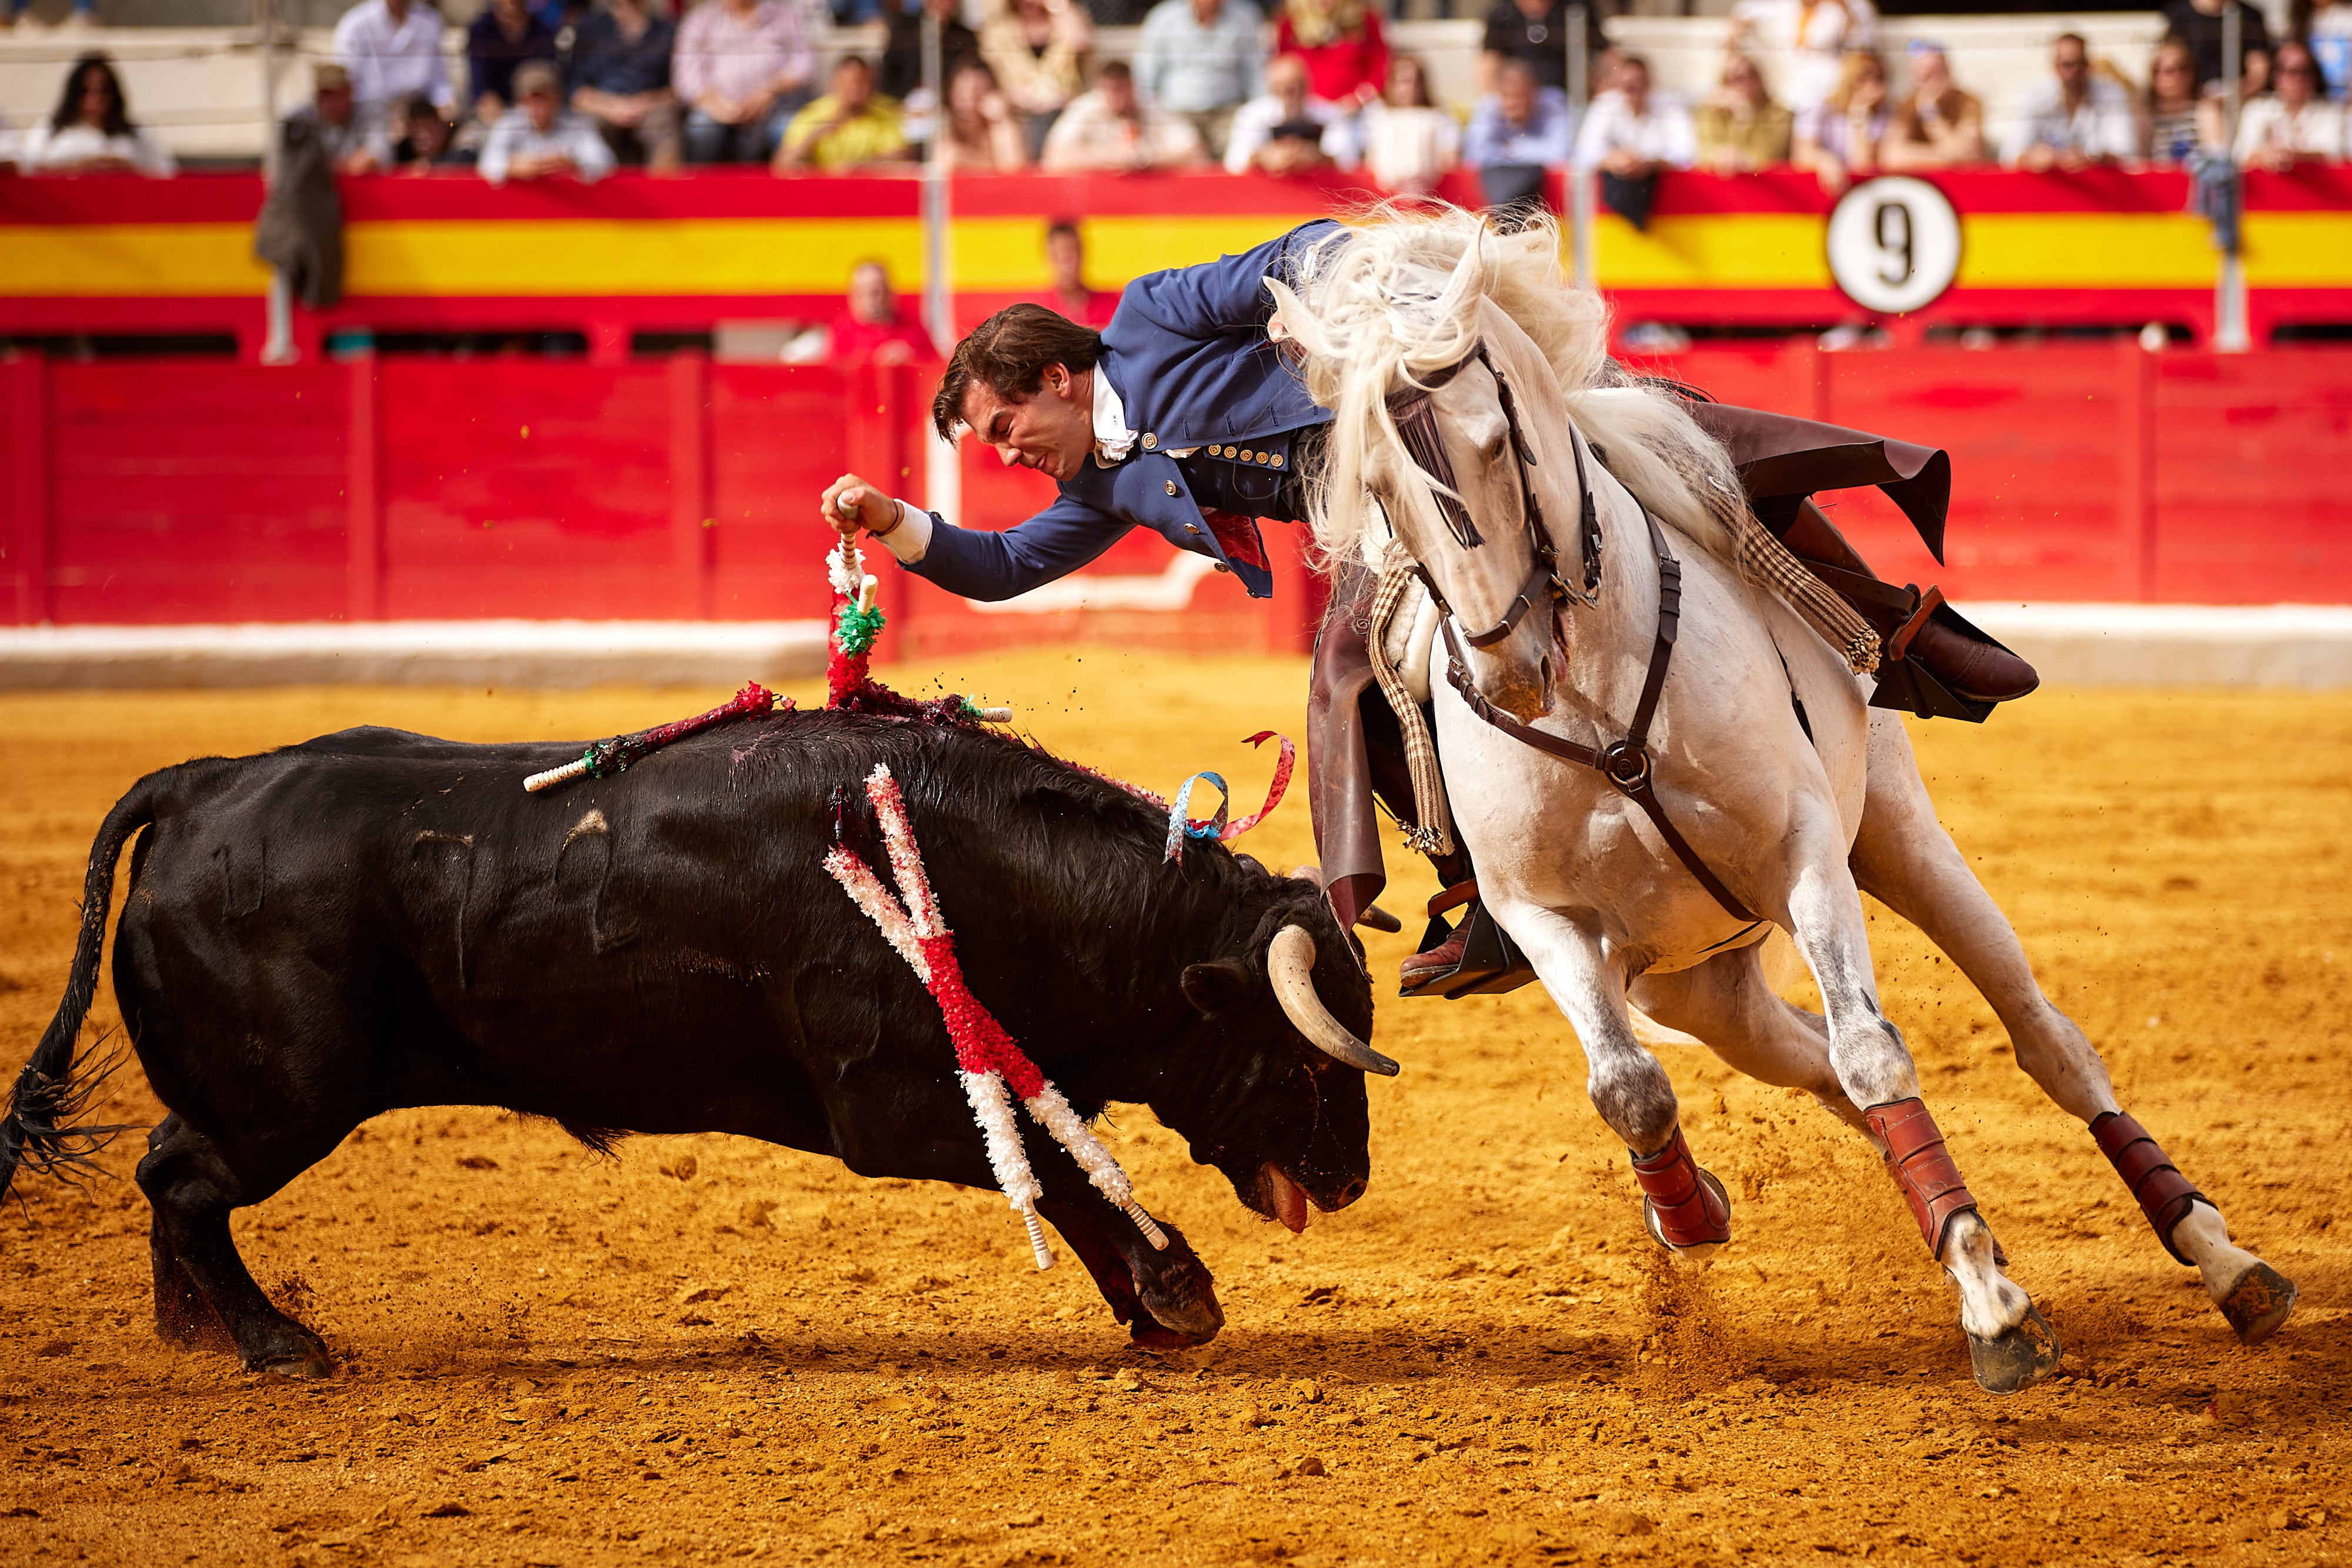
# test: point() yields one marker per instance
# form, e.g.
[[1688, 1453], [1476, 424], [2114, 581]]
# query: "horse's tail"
[[55, 1085]]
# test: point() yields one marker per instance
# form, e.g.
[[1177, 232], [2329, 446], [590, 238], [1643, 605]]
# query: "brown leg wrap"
[[2164, 1193], [1688, 1212], [1922, 1168]]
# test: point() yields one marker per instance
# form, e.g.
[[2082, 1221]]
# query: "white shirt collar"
[[1113, 440]]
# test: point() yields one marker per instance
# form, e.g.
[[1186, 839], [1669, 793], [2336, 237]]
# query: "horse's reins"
[[1626, 763]]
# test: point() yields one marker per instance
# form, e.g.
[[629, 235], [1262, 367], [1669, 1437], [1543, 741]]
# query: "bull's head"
[[1271, 1088]]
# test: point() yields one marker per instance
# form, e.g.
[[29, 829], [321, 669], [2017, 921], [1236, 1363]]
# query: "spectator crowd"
[[567, 88]]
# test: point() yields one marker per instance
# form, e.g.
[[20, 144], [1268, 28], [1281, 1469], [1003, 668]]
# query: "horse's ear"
[[1296, 321]]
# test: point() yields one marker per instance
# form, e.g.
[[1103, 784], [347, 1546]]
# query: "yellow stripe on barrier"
[[85, 260], [1741, 250], [651, 256], [2299, 250], [2085, 250]]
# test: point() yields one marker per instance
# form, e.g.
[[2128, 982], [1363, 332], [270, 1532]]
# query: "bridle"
[[1416, 420], [1627, 763]]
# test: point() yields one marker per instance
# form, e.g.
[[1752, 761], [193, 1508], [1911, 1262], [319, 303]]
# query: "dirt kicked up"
[[709, 1349]]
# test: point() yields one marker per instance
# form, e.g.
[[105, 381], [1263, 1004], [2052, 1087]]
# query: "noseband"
[[1416, 420]]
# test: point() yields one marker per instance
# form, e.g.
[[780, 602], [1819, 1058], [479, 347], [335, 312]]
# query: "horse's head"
[[1453, 422]]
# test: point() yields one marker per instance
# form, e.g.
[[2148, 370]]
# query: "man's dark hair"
[[1058, 227], [1008, 354], [1119, 68]]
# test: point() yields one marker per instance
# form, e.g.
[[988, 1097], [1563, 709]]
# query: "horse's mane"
[[1388, 301]]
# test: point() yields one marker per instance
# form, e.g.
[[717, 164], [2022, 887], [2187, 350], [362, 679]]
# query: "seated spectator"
[[2171, 105], [1842, 133], [332, 117], [1280, 132], [1200, 60], [1339, 42], [1937, 125], [1067, 295], [539, 139], [90, 131], [742, 68], [620, 79], [1741, 130], [393, 50], [1039, 50], [852, 125], [2197, 23], [503, 36], [425, 138], [981, 129], [2075, 118], [2329, 35], [2293, 124], [1535, 33], [871, 328], [1632, 135], [1808, 40], [1111, 130], [901, 73], [1402, 140], [1518, 132]]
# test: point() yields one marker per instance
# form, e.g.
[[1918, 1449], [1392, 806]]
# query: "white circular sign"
[[1894, 243]]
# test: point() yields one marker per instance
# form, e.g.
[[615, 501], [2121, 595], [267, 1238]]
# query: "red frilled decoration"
[[857, 622], [607, 758]]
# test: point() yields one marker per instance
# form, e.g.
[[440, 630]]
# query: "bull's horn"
[[1290, 965]]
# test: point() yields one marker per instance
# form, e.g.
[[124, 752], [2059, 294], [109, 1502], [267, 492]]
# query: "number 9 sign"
[[1894, 244]]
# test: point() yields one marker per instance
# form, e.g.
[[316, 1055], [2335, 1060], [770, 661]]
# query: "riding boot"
[[1440, 957], [1911, 623]]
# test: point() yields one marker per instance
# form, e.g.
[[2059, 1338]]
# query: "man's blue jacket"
[[1189, 356]]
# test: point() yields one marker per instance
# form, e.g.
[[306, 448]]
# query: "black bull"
[[375, 920]]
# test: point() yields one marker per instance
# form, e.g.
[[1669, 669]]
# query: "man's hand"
[[850, 504]]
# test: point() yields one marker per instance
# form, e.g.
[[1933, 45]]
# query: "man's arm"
[[1217, 297], [977, 564]]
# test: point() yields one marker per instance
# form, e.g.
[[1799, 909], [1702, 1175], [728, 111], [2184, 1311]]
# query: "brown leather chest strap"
[[1922, 1168], [2165, 1195]]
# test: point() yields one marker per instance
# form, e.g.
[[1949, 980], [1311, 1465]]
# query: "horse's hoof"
[[2258, 1303], [1698, 1251], [2016, 1357]]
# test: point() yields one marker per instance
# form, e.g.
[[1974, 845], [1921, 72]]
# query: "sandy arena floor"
[[711, 1349]]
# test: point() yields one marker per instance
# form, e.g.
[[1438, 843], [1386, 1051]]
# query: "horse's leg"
[[2009, 1343], [1685, 1207], [1907, 861], [1728, 1004]]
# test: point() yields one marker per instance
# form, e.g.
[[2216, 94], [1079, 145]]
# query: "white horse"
[[1520, 409]]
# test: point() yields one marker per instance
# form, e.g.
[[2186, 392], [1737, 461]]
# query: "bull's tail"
[[55, 1086]]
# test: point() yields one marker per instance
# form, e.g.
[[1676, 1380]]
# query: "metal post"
[[1579, 184], [277, 349], [943, 476], [2230, 331]]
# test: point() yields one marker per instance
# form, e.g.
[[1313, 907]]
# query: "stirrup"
[[1491, 962], [1907, 686]]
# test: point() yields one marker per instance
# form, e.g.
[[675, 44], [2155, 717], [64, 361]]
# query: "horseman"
[[1186, 416]]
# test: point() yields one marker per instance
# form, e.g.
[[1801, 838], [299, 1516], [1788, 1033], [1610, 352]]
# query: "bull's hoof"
[[1151, 1336], [2016, 1357], [292, 1351], [2258, 1303], [1182, 1300]]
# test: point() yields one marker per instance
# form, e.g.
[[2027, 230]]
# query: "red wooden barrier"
[[203, 491]]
